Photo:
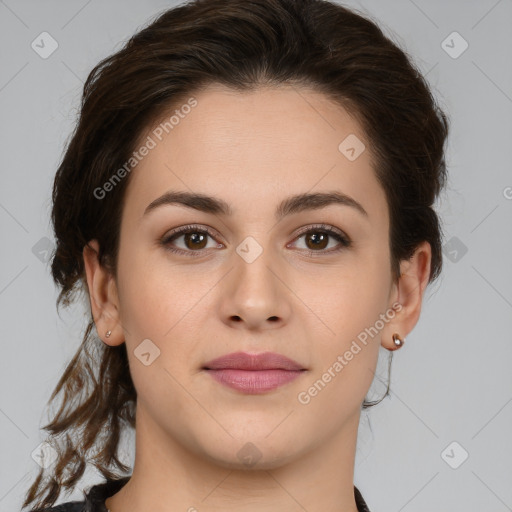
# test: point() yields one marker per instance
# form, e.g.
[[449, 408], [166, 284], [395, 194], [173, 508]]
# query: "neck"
[[168, 475]]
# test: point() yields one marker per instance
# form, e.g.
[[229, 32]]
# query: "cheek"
[[349, 308], [165, 303], [350, 297], [154, 306], [346, 354], [141, 301], [152, 287]]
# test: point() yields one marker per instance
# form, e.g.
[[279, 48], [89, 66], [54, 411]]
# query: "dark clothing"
[[95, 498]]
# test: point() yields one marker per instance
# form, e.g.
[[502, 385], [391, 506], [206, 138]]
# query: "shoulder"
[[94, 498]]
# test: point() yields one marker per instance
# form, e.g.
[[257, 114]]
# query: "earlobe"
[[397, 342], [102, 296], [413, 280]]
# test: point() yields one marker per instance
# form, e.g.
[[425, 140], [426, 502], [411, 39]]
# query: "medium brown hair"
[[243, 45]]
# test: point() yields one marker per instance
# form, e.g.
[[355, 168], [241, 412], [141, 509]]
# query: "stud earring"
[[108, 333], [397, 341]]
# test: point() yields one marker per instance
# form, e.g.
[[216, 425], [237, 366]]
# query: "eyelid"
[[190, 227], [322, 227]]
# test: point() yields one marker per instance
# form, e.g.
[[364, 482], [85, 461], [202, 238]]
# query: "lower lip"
[[254, 381]]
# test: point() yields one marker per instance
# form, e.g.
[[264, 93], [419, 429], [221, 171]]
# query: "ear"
[[408, 294], [103, 296]]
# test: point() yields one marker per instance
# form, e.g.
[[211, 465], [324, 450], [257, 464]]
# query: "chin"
[[251, 452], [251, 457]]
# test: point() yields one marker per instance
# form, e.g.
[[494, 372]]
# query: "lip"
[[246, 361], [254, 373]]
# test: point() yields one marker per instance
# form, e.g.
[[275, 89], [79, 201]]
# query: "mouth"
[[254, 373], [254, 381]]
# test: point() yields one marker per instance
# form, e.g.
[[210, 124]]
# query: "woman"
[[247, 203]]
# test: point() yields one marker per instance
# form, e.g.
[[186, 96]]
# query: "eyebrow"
[[291, 205]]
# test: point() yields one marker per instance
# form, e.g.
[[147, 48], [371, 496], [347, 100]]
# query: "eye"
[[317, 239], [194, 239]]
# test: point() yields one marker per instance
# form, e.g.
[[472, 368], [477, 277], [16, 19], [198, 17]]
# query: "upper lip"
[[246, 361]]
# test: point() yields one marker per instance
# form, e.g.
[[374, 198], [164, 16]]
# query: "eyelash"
[[318, 228]]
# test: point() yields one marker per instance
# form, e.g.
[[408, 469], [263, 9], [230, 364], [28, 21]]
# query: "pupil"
[[318, 239], [195, 237]]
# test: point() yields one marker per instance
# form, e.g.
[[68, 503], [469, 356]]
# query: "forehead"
[[254, 146]]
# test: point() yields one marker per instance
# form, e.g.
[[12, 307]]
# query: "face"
[[303, 279]]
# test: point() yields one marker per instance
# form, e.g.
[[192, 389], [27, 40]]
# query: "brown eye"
[[195, 240], [317, 239]]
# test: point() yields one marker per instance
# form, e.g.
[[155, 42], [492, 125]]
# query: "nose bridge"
[[252, 262], [256, 292]]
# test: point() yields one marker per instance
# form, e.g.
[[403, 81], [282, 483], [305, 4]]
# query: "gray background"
[[452, 380]]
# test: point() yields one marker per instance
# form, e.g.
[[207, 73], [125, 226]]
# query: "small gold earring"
[[397, 341], [108, 333]]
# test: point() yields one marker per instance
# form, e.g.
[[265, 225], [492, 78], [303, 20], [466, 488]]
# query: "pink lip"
[[253, 373]]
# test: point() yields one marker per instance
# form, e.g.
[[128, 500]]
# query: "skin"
[[251, 149]]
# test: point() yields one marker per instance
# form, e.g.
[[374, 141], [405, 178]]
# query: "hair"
[[243, 45]]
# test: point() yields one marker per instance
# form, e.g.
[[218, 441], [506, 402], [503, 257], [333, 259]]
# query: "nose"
[[255, 295]]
